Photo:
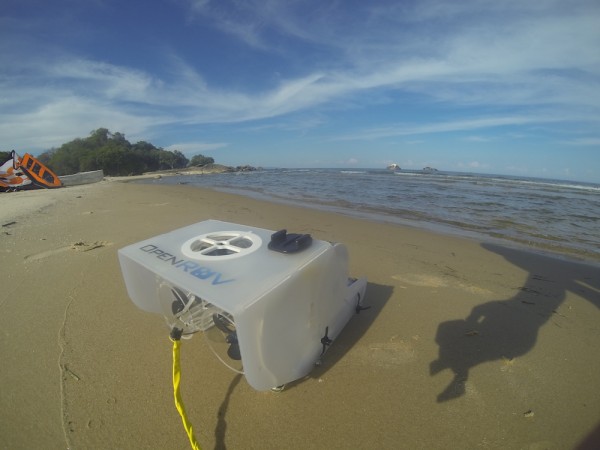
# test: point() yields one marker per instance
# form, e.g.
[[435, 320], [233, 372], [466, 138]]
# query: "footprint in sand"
[[80, 246], [83, 246]]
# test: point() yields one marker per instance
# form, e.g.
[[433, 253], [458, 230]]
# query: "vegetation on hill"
[[115, 155]]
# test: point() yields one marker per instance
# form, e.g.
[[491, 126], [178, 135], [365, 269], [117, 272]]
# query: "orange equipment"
[[26, 173]]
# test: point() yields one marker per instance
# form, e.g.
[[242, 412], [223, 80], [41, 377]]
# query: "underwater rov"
[[269, 303]]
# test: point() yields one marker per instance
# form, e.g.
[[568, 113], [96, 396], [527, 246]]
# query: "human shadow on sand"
[[506, 329]]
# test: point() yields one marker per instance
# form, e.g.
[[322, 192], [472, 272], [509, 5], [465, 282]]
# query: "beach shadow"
[[506, 329], [376, 296], [591, 441], [221, 428]]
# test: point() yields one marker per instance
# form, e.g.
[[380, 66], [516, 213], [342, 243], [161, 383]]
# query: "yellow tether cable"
[[175, 336]]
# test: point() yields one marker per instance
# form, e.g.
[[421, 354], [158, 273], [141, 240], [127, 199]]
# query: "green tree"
[[4, 156], [180, 160], [201, 160], [98, 137], [112, 153], [116, 160]]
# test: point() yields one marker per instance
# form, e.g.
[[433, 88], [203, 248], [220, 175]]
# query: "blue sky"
[[508, 87]]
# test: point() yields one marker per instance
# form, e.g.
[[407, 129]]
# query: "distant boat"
[[393, 167]]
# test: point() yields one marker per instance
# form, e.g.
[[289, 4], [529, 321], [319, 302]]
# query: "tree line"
[[115, 155]]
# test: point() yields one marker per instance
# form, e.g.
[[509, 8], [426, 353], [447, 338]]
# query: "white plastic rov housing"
[[269, 303]]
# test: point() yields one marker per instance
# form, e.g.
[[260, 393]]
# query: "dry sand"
[[467, 345]]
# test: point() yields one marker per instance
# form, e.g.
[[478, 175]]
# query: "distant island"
[[395, 167]]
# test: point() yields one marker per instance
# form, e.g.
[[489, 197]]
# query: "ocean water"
[[561, 217]]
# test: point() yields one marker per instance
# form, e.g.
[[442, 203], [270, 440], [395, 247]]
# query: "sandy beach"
[[466, 344]]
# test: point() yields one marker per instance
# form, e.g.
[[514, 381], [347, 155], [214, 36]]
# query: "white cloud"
[[55, 122], [472, 165], [444, 127], [110, 80], [524, 57], [585, 141], [535, 55], [478, 139]]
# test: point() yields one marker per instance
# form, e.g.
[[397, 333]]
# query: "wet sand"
[[466, 344]]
